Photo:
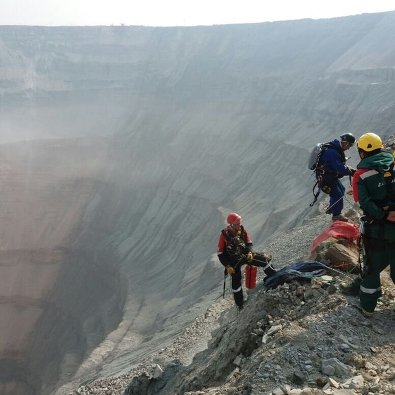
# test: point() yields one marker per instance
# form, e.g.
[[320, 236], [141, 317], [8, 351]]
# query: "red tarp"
[[338, 230]]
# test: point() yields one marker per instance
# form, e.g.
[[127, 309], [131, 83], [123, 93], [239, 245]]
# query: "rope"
[[334, 270], [338, 200], [346, 198]]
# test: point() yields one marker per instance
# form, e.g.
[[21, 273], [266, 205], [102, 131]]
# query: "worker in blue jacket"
[[333, 167]]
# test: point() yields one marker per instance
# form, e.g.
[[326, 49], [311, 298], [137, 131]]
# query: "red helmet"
[[233, 219]]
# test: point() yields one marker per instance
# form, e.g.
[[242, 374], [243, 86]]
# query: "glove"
[[250, 257], [230, 270]]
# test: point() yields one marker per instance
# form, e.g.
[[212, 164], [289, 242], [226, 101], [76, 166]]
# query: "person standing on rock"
[[374, 189], [332, 164], [235, 250]]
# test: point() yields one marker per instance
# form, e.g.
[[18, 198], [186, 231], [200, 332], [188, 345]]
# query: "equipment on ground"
[[301, 271]]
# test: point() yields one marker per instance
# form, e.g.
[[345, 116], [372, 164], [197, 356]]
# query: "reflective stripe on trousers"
[[369, 290]]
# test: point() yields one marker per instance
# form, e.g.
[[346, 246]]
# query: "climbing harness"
[[235, 245], [319, 171], [315, 193], [362, 256]]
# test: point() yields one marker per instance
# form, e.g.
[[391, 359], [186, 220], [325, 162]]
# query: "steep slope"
[[57, 298], [301, 338], [181, 125]]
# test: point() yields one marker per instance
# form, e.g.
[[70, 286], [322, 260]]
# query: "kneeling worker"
[[235, 250]]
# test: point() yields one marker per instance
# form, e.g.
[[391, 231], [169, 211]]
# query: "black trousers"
[[259, 260]]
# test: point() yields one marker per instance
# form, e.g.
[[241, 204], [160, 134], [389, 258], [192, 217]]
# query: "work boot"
[[352, 288], [339, 218], [367, 314], [269, 271], [239, 299]]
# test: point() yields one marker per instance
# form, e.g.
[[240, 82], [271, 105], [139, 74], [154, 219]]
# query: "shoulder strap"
[[226, 235], [389, 178], [337, 149], [229, 238], [316, 192], [243, 233], [388, 175], [324, 147]]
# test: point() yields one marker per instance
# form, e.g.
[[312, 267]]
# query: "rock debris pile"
[[302, 338]]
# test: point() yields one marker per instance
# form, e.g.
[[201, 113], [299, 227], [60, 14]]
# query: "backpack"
[[388, 202], [315, 155], [314, 159]]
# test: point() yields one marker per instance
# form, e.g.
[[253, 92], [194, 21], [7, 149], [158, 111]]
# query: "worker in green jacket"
[[374, 188]]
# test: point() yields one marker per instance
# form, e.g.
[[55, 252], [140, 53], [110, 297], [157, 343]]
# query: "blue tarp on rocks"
[[302, 271]]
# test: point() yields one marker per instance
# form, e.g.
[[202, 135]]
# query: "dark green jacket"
[[375, 195]]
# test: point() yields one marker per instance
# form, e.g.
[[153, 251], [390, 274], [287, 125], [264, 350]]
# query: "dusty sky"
[[177, 12]]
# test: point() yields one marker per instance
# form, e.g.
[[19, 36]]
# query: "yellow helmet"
[[369, 142]]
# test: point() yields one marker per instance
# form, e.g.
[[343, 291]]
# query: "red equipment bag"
[[250, 276]]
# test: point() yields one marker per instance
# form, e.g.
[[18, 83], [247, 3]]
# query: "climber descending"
[[329, 167], [235, 250]]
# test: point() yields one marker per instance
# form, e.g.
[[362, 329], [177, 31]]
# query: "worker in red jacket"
[[235, 250]]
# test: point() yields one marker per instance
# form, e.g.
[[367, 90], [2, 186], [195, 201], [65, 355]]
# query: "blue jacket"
[[333, 161]]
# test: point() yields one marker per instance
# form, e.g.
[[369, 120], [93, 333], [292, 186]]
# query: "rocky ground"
[[300, 338]]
